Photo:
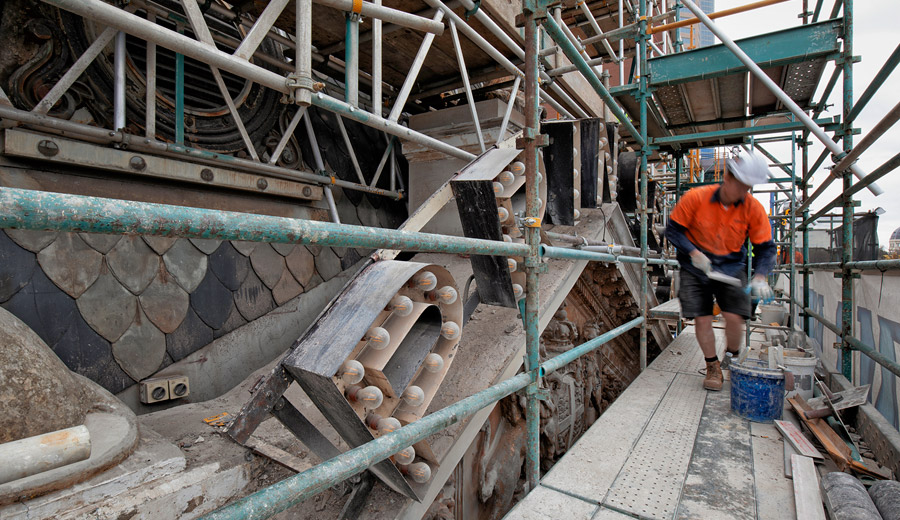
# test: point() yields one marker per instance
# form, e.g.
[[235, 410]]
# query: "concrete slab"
[[589, 469], [548, 504], [154, 459]]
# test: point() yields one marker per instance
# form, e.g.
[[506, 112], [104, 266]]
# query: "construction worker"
[[709, 227]]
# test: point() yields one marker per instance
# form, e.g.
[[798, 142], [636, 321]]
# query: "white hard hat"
[[749, 167]]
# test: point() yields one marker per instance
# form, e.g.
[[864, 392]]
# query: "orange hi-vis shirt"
[[717, 229]]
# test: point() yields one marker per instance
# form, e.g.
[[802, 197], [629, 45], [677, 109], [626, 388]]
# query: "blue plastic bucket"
[[757, 393]]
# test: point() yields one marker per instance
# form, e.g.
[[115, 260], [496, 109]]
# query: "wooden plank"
[[670, 310], [807, 498], [799, 441], [288, 460], [788, 451]]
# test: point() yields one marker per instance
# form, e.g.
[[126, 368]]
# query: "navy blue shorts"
[[696, 296]]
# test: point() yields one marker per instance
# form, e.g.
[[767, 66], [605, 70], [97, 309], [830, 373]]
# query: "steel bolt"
[[48, 148], [307, 191], [137, 163], [262, 183], [206, 174]]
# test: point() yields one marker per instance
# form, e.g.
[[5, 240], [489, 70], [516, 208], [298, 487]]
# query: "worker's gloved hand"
[[701, 262], [760, 289]]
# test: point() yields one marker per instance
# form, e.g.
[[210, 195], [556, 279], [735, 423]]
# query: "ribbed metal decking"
[[668, 449]]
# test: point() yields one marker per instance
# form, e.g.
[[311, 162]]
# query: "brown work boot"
[[714, 377]]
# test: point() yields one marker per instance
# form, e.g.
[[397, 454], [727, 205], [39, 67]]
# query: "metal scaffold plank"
[[794, 45], [650, 483]]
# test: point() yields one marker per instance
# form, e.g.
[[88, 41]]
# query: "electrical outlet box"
[[154, 390], [179, 387]]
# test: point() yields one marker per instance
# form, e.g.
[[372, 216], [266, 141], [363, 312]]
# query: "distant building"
[[702, 35], [894, 242]]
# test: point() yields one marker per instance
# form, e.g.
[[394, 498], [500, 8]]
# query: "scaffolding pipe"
[[297, 488], [593, 21], [572, 53], [107, 14], [860, 265], [40, 210], [260, 29], [877, 131], [386, 14], [854, 343], [413, 73], [643, 101], [713, 16], [513, 94], [468, 87], [119, 78], [303, 52], [320, 166], [77, 69], [377, 101], [529, 310], [504, 62], [886, 168], [150, 93], [594, 256], [847, 281], [786, 100], [876, 83]]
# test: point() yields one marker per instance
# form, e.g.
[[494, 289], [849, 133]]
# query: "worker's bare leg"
[[734, 331], [705, 336]]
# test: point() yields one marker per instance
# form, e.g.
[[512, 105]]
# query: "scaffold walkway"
[[667, 448]]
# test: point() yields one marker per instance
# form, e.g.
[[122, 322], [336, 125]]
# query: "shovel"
[[724, 278]]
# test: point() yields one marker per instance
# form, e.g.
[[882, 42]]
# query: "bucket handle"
[[788, 378]]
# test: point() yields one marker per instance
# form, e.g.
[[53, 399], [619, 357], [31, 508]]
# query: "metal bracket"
[[301, 89], [531, 222], [536, 263], [541, 393]]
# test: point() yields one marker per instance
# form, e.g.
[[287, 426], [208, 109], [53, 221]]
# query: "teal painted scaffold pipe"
[[39, 210], [293, 490]]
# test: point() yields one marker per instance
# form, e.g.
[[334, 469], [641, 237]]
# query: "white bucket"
[[803, 368], [769, 313]]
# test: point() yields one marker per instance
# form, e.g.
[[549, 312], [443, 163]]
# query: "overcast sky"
[[875, 38]]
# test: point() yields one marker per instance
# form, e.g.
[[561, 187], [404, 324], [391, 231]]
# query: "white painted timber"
[[774, 492], [807, 498]]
